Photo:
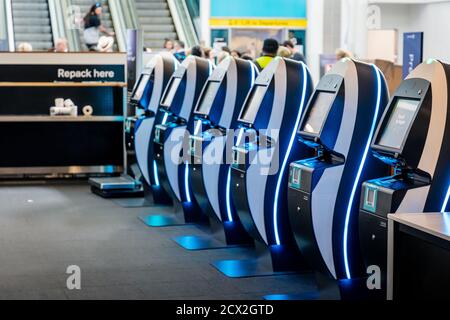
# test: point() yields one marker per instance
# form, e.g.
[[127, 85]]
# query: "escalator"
[[107, 21], [32, 24], [156, 21]]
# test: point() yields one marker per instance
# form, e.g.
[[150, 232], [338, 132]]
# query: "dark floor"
[[46, 228]]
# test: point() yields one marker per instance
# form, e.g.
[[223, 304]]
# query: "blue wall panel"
[[258, 8]]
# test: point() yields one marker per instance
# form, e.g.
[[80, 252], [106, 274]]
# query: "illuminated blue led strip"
[[444, 205], [241, 133], [211, 67], [155, 173], [254, 71], [228, 196], [175, 62], [240, 136], [166, 116], [198, 127], [186, 183], [286, 158], [358, 176]]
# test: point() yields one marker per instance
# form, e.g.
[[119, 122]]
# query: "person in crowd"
[[222, 56], [209, 54], [247, 57], [342, 53], [168, 45], [226, 49], [284, 52], [61, 45], [197, 51], [236, 54], [270, 50], [179, 50], [93, 27], [24, 47], [295, 55], [105, 44]]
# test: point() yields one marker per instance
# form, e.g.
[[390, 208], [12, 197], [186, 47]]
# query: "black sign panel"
[[62, 73]]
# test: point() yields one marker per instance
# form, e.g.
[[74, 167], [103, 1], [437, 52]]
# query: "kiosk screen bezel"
[[387, 123], [308, 115], [253, 104], [171, 92], [208, 97], [139, 90]]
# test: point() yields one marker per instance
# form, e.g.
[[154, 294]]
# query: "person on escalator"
[[93, 27]]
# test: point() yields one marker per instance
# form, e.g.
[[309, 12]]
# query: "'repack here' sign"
[[87, 74], [63, 73]]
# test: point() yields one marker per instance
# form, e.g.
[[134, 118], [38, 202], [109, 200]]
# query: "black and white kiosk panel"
[[264, 148], [216, 113], [413, 137], [323, 195], [213, 135], [146, 98], [269, 118], [171, 142]]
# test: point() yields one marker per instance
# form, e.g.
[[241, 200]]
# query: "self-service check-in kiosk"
[[413, 137], [264, 148], [145, 99], [216, 115], [323, 195], [171, 139], [160, 70]]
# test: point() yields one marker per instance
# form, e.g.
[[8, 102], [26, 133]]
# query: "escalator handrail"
[[119, 23], [10, 25], [183, 22]]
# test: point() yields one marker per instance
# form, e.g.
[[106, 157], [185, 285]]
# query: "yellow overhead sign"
[[242, 22]]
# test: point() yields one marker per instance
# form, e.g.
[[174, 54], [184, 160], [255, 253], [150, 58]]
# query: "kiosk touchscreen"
[[216, 116], [258, 178], [323, 195], [171, 137], [144, 104], [414, 138], [144, 83]]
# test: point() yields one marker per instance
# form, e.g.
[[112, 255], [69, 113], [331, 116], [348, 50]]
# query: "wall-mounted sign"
[[373, 17], [412, 51], [280, 23], [258, 13], [220, 36], [134, 56], [258, 9]]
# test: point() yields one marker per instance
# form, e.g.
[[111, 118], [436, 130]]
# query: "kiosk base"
[[331, 289], [279, 260], [247, 269], [187, 210], [199, 243], [223, 236], [162, 221]]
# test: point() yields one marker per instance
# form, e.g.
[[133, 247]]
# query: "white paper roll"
[[69, 103], [88, 111], [59, 103], [55, 111]]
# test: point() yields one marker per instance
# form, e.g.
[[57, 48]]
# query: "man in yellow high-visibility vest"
[[270, 49]]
